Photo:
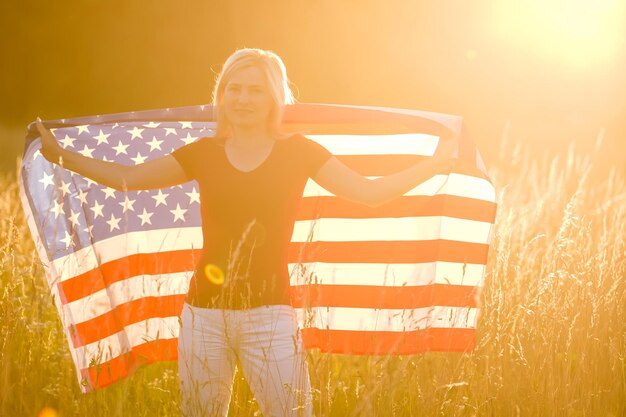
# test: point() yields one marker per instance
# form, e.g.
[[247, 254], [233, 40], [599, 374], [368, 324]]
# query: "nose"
[[244, 96]]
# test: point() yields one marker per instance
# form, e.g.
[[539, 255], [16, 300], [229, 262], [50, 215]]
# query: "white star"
[[74, 218], [170, 131], [67, 141], [47, 180], [154, 144], [36, 154], [135, 133], [82, 196], [82, 128], [89, 229], [145, 217], [189, 139], [152, 125], [113, 223], [185, 125], [64, 188], [90, 182], [88, 152], [67, 240], [127, 204], [160, 198], [108, 193], [97, 209], [102, 138], [105, 159], [139, 159], [179, 214], [58, 209], [194, 196], [120, 148]]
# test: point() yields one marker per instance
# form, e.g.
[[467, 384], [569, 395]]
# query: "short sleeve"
[[188, 157], [315, 155]]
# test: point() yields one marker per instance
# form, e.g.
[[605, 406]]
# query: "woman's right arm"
[[157, 173]]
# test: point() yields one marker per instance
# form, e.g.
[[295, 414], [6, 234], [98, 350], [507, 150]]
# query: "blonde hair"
[[275, 73]]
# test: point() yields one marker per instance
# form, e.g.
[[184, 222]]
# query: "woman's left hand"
[[446, 148]]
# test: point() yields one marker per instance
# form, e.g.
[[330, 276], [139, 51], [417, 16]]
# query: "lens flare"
[[48, 412], [214, 274]]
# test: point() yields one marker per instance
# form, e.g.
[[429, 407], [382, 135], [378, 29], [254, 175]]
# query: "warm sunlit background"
[[538, 81], [534, 71]]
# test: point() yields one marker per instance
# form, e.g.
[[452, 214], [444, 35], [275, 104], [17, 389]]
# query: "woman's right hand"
[[157, 173], [50, 148]]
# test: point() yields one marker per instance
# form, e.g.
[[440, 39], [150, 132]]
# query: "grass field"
[[551, 340]]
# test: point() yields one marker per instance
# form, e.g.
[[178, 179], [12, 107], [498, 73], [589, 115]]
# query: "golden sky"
[[543, 71]]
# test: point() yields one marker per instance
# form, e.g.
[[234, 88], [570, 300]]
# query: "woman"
[[251, 177]]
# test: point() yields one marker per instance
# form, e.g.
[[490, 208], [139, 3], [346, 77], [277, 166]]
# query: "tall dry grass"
[[551, 340]]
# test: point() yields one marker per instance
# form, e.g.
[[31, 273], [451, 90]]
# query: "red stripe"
[[328, 341], [134, 311], [381, 165], [315, 114], [389, 252], [464, 168], [384, 343], [312, 208], [319, 295], [346, 128], [120, 269], [107, 373], [358, 296]]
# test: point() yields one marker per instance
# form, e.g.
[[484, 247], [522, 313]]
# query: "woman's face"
[[247, 102]]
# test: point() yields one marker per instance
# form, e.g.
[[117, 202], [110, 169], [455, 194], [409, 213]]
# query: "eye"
[[233, 88]]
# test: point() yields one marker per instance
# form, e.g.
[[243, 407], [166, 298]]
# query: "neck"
[[250, 137]]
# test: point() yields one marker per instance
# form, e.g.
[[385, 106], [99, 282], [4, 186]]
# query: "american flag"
[[397, 279]]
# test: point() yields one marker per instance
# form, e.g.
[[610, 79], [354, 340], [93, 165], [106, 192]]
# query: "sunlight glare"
[[580, 34]]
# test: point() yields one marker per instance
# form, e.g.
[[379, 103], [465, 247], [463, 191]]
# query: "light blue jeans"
[[267, 343]]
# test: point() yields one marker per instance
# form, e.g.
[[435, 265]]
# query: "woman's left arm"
[[346, 183]]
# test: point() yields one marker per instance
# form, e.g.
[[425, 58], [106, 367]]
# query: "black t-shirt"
[[247, 219]]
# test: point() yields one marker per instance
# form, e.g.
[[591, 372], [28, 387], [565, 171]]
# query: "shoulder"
[[205, 142], [295, 140], [196, 149], [209, 141], [309, 154]]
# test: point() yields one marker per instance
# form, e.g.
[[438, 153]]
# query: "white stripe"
[[458, 185], [391, 320], [451, 121], [151, 241], [122, 292], [117, 247], [396, 275], [133, 335], [49, 272], [398, 144], [391, 229], [333, 318]]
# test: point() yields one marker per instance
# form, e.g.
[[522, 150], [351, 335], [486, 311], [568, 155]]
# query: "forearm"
[[107, 173], [344, 182], [384, 189]]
